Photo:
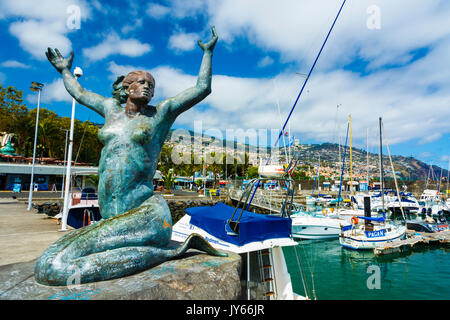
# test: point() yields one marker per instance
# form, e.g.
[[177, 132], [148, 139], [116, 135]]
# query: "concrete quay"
[[24, 235]]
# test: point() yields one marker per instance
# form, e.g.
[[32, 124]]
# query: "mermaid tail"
[[120, 246], [196, 241]]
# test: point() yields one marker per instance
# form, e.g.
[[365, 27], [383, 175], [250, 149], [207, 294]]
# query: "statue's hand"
[[209, 46], [58, 61]]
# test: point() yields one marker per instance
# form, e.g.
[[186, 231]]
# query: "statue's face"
[[142, 88]]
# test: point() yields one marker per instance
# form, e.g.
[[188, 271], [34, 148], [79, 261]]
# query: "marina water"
[[331, 272]]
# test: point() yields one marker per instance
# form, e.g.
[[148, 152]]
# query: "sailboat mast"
[[342, 171], [367, 141], [381, 167], [448, 173]]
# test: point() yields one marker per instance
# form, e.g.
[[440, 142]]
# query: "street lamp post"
[[35, 86], [77, 73], [65, 154]]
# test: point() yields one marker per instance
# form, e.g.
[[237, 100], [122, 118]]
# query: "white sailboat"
[[374, 231], [360, 237]]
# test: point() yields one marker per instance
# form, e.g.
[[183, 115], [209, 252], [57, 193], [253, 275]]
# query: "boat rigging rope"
[[305, 284], [301, 90], [393, 173]]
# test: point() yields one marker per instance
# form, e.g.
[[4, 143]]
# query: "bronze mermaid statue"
[[135, 231]]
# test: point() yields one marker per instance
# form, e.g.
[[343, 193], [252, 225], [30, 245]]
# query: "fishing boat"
[[258, 238], [320, 225]]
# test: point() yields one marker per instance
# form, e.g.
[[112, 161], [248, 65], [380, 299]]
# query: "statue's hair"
[[132, 77], [119, 91]]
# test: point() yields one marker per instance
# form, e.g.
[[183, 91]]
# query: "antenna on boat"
[[381, 166]]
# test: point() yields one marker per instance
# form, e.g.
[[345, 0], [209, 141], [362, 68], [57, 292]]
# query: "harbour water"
[[331, 272]]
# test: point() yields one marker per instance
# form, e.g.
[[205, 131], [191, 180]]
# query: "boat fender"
[[331, 210], [354, 220], [324, 212]]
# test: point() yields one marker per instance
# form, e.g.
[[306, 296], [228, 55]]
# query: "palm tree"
[[169, 180]]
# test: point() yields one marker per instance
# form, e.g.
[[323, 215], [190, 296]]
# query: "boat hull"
[[361, 242], [76, 217], [312, 232], [305, 227]]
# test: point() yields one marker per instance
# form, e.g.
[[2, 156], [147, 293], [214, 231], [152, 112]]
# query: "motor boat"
[[409, 203], [258, 238], [428, 224], [319, 225], [434, 207]]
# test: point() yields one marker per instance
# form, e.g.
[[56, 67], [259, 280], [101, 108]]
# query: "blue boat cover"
[[378, 219], [252, 226]]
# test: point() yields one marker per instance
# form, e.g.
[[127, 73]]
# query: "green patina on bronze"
[[135, 232]]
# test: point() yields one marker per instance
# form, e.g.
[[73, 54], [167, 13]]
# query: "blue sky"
[[384, 58]]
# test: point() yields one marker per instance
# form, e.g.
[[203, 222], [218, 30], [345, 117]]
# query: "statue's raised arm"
[[63, 66], [188, 98]]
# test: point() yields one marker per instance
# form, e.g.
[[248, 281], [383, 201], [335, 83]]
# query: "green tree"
[[252, 172], [169, 180], [14, 118]]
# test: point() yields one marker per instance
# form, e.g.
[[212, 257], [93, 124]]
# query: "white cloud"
[[32, 32], [408, 115], [183, 41], [14, 64], [296, 29], [42, 24], [157, 11], [133, 26], [52, 92], [178, 9], [412, 97], [113, 45], [264, 62]]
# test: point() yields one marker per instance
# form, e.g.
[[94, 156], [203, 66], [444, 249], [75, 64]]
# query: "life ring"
[[354, 220], [324, 212]]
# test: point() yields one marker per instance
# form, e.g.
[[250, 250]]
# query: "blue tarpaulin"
[[252, 226], [378, 219]]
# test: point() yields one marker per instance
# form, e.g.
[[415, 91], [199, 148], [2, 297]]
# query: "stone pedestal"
[[197, 276]]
